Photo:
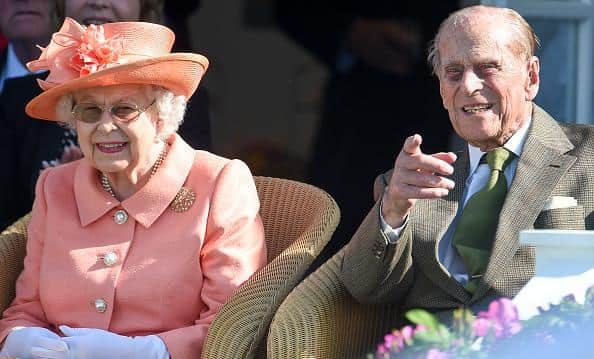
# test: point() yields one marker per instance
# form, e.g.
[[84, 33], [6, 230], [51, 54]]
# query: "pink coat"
[[172, 271]]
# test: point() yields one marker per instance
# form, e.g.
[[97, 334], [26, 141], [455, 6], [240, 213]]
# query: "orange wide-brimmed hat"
[[116, 53]]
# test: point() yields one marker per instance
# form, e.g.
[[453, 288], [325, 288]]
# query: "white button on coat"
[[100, 305], [120, 217], [110, 258]]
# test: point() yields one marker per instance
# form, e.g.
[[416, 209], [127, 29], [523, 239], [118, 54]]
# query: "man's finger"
[[449, 157], [425, 179], [412, 144], [425, 163], [415, 192]]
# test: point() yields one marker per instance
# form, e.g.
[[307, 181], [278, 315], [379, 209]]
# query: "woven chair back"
[[13, 242], [299, 220], [320, 319]]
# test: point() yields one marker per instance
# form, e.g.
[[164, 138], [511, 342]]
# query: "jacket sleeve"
[[373, 270], [234, 249], [26, 309]]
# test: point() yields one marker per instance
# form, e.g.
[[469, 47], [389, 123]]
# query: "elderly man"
[[444, 233]]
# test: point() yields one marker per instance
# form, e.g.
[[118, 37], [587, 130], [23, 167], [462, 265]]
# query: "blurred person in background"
[[24, 24], [379, 91], [3, 41]]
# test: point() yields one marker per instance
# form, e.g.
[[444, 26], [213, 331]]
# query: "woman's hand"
[[24, 342], [101, 344]]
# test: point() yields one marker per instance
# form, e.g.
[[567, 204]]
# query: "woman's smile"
[[111, 147]]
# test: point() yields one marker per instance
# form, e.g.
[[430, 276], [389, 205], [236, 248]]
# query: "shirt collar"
[[515, 144], [14, 67], [146, 205]]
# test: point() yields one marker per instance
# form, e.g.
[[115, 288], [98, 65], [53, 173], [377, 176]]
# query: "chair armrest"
[[239, 329], [13, 241], [320, 319]]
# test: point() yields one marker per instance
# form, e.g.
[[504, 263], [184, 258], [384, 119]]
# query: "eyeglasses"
[[92, 112]]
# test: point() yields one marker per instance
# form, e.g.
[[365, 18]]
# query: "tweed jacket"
[[173, 270], [556, 160]]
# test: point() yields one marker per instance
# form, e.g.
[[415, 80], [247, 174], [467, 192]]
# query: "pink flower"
[[481, 327], [95, 52], [407, 333], [382, 350], [389, 339], [503, 315], [436, 354], [397, 340]]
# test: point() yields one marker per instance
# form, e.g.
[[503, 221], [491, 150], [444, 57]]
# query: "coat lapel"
[[430, 218], [543, 162]]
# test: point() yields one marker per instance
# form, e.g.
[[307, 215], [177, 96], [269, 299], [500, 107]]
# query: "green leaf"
[[428, 336], [423, 317], [444, 332]]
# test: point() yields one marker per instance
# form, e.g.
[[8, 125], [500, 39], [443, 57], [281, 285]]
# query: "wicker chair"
[[12, 252], [299, 219], [319, 319]]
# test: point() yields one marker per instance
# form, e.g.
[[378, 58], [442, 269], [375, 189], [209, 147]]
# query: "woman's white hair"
[[170, 109]]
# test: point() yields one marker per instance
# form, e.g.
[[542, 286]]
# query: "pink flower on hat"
[[77, 50], [79, 57], [95, 52]]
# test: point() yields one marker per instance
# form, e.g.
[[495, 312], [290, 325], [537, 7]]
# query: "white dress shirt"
[[12, 68], [477, 178]]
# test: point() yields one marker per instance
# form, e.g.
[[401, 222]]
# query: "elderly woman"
[[29, 147], [133, 249]]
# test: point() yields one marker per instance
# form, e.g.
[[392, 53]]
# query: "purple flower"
[[381, 349], [436, 354], [481, 327], [394, 341], [420, 328], [388, 339], [407, 333], [504, 316]]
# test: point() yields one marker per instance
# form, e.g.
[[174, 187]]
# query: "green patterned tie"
[[476, 227]]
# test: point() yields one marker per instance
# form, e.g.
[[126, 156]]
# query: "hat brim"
[[179, 72]]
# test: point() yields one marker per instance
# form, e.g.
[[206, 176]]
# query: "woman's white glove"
[[101, 344], [23, 342]]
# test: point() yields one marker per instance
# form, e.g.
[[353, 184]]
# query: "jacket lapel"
[[431, 216], [543, 162]]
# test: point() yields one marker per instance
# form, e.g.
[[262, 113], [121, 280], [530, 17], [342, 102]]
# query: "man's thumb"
[[412, 144]]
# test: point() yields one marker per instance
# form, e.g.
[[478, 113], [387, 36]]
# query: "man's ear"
[[533, 80]]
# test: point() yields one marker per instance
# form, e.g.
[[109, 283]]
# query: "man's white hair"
[[525, 40]]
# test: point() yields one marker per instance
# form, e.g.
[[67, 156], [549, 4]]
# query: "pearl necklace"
[[106, 185]]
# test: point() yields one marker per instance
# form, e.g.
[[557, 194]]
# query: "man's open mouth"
[[477, 108]]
